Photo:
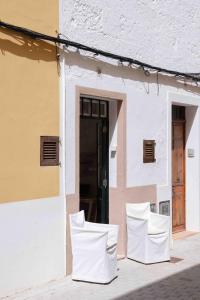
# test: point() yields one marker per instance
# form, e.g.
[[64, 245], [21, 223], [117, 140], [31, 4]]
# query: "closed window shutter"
[[49, 150], [149, 151]]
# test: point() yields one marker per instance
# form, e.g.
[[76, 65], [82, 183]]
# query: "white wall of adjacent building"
[[153, 32], [33, 235]]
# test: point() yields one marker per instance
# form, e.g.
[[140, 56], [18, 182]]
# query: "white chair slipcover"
[[94, 250], [148, 234]]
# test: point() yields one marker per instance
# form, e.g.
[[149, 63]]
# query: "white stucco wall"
[[164, 33], [139, 105], [192, 168], [33, 236]]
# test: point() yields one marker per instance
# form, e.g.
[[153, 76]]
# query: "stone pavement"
[[179, 279]]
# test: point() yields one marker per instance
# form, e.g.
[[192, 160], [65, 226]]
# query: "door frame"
[[121, 144], [192, 191]]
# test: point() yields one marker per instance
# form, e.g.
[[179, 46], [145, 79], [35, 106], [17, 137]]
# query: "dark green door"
[[102, 153], [94, 179]]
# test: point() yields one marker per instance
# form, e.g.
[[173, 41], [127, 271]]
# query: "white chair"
[[148, 234], [94, 250]]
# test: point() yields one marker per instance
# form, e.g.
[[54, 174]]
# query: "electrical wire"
[[39, 36]]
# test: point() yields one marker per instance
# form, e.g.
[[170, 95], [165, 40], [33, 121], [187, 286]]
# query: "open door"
[[94, 181]]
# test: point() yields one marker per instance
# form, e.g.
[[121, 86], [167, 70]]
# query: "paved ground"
[[179, 279]]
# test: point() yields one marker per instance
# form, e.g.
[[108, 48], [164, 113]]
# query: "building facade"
[[152, 129], [125, 134], [31, 208]]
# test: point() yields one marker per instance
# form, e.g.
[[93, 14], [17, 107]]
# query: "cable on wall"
[[122, 59]]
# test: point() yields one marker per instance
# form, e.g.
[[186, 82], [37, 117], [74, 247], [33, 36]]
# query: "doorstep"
[[183, 234], [120, 257]]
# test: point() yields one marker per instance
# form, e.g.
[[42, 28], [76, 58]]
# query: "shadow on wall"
[[111, 68], [191, 112], [24, 46], [184, 285]]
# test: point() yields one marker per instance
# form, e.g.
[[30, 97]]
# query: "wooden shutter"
[[149, 151], [49, 151]]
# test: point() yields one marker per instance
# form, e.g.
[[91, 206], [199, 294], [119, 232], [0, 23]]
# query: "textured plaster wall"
[[32, 242], [29, 100], [41, 16], [163, 33]]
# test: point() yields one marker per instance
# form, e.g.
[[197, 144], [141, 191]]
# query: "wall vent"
[[49, 151], [164, 208], [149, 151]]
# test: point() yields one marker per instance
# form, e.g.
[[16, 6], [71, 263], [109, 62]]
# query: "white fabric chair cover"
[[148, 234], [94, 250]]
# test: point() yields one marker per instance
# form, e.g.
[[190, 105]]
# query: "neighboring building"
[[139, 119], [32, 232], [125, 135]]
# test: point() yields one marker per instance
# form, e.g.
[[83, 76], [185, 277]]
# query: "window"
[[49, 151], [86, 107], [103, 109], [93, 108], [149, 151]]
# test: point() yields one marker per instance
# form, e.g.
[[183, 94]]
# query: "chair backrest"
[[77, 219], [138, 210]]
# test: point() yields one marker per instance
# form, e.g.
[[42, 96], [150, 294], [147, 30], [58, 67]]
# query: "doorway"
[[178, 168], [94, 149]]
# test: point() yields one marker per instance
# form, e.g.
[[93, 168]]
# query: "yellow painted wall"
[[29, 100]]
